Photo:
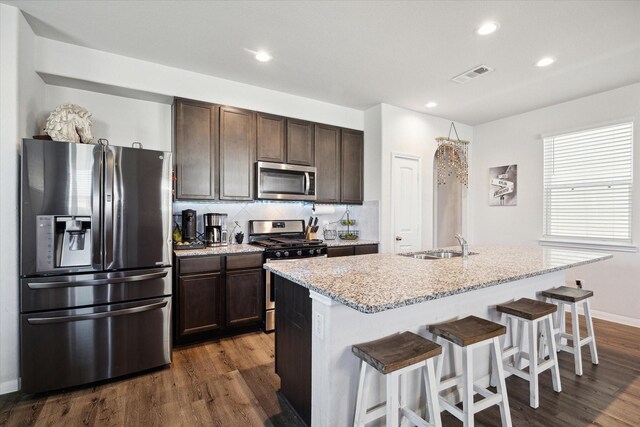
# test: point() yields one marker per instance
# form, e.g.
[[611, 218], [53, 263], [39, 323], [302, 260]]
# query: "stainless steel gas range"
[[284, 241]]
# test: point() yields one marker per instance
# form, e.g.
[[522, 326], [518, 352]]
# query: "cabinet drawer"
[[237, 262], [366, 249], [340, 251], [204, 264]]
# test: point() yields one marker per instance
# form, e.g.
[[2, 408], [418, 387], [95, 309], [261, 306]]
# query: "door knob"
[[398, 238]]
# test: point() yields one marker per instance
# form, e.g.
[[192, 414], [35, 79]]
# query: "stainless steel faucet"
[[463, 245]]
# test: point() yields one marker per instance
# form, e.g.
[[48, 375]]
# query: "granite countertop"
[[219, 250], [379, 282], [340, 242]]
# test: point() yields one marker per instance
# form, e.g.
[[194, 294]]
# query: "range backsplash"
[[367, 215]]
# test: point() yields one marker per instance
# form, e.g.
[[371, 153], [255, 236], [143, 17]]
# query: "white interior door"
[[407, 201]]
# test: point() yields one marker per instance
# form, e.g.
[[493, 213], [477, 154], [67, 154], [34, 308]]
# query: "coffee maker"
[[189, 225], [215, 229]]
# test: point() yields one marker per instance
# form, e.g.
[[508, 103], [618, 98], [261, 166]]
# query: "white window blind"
[[588, 179]]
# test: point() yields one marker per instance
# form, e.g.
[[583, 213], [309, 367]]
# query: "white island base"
[[336, 327]]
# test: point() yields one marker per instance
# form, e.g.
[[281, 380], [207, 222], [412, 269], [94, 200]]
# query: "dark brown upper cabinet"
[[300, 149], [196, 148], [327, 155], [352, 166], [237, 153], [283, 140], [271, 138]]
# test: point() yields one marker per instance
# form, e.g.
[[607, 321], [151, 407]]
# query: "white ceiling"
[[362, 53]]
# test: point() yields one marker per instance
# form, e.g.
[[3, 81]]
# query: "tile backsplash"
[[367, 215]]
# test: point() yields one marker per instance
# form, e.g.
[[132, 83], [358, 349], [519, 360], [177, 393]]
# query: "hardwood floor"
[[231, 382]]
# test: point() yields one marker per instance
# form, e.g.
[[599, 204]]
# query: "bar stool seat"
[[565, 295], [530, 313], [394, 356], [467, 334]]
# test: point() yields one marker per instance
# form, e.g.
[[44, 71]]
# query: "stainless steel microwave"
[[280, 181]]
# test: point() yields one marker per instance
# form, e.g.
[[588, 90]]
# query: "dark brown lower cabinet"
[[293, 345], [351, 250], [201, 307], [244, 290], [217, 295]]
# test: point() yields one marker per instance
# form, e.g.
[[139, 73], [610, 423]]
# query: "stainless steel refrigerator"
[[95, 266]]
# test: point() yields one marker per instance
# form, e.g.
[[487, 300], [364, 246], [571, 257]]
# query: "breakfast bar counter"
[[325, 305]]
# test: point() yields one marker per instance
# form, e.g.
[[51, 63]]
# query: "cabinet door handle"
[[398, 238]]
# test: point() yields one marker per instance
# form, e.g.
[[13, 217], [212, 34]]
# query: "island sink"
[[436, 254]]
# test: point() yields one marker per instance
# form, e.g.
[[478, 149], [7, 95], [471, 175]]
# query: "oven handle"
[[66, 319], [97, 282], [307, 183]]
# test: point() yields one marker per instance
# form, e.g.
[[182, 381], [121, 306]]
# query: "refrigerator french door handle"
[[96, 209], [97, 282], [93, 316], [108, 211]]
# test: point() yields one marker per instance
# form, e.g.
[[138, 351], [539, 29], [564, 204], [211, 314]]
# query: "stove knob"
[[311, 251], [286, 253], [319, 251], [278, 254], [299, 253]]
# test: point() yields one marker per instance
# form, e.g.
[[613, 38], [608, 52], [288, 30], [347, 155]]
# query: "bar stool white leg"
[[403, 392], [467, 385], [361, 397], [393, 406], [433, 401], [533, 364], [441, 358], [577, 348], [553, 355], [518, 355], [589, 320], [501, 387], [562, 325]]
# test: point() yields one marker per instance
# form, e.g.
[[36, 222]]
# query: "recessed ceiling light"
[[431, 104], [546, 61], [487, 28], [263, 56]]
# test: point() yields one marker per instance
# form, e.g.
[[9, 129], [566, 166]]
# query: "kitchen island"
[[327, 305]]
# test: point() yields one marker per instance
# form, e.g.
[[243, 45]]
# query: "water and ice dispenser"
[[63, 241]]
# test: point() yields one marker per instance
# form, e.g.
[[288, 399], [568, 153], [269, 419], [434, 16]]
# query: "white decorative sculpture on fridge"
[[70, 123]]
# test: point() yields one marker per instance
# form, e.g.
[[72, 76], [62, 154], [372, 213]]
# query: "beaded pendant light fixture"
[[452, 158]]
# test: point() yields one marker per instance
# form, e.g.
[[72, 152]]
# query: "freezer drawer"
[[67, 348], [57, 293]]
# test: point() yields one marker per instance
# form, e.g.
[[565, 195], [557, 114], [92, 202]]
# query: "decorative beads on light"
[[452, 159]]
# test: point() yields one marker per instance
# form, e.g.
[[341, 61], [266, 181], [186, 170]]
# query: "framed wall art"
[[503, 185]]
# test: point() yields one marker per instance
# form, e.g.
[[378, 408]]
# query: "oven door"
[[270, 294], [279, 181]]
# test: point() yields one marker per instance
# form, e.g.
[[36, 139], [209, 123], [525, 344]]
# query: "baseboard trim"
[[616, 318], [10, 386]]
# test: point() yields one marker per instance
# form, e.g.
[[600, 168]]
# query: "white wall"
[[517, 140], [8, 193], [409, 132], [120, 120], [21, 95], [76, 62]]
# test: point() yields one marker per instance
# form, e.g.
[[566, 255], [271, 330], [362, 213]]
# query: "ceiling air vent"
[[472, 74]]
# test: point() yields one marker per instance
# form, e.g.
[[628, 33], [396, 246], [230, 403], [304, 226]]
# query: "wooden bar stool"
[[565, 295], [394, 356], [468, 334], [529, 313]]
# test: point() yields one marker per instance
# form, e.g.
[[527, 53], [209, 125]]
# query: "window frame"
[[591, 243]]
